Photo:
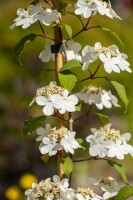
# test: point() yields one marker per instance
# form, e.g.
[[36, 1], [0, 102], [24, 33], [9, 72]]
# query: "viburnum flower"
[[46, 55], [30, 193], [88, 56], [86, 194], [72, 50], [104, 8], [87, 8], [26, 17], [47, 16], [98, 96], [109, 142], [109, 186], [110, 56], [67, 104], [47, 189], [53, 97], [53, 140]]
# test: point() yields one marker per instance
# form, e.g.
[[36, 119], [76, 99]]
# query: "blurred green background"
[[18, 86]]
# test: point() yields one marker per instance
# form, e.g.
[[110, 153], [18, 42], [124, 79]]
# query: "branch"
[[83, 29], [45, 35], [92, 75], [91, 158], [87, 113], [49, 3]]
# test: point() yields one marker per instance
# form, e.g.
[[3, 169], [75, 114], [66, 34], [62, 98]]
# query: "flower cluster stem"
[[58, 65]]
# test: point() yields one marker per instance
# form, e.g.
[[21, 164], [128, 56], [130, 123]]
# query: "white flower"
[[47, 146], [43, 132], [88, 56], [26, 17], [122, 63], [97, 146], [46, 55], [85, 8], [109, 186], [63, 183], [48, 105], [69, 143], [48, 16], [66, 104], [97, 96], [53, 140], [72, 50], [30, 193], [54, 97], [110, 56], [110, 63], [109, 142], [104, 8]]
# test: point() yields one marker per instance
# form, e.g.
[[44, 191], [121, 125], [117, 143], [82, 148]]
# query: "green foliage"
[[124, 193], [63, 6], [121, 92], [67, 79], [81, 143], [20, 46], [103, 119], [120, 169], [31, 124], [67, 166], [68, 30], [112, 33], [78, 106], [71, 65]]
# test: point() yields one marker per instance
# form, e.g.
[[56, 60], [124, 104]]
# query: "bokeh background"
[[20, 160]]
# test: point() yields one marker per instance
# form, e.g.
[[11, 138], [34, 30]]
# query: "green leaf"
[[31, 124], [67, 79], [121, 92], [63, 6], [81, 143], [113, 33], [68, 30], [67, 166], [20, 46], [120, 169], [124, 193], [103, 119], [78, 106], [70, 65]]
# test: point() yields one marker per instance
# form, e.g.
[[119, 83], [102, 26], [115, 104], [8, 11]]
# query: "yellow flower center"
[[110, 134], [59, 133], [84, 191], [49, 89]]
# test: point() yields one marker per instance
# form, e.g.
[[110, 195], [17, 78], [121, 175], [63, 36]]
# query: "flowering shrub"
[[58, 99]]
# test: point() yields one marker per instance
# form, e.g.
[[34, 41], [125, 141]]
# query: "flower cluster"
[[109, 142], [87, 8], [53, 97], [110, 56], [58, 189], [98, 96], [35, 13], [53, 139], [109, 186]]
